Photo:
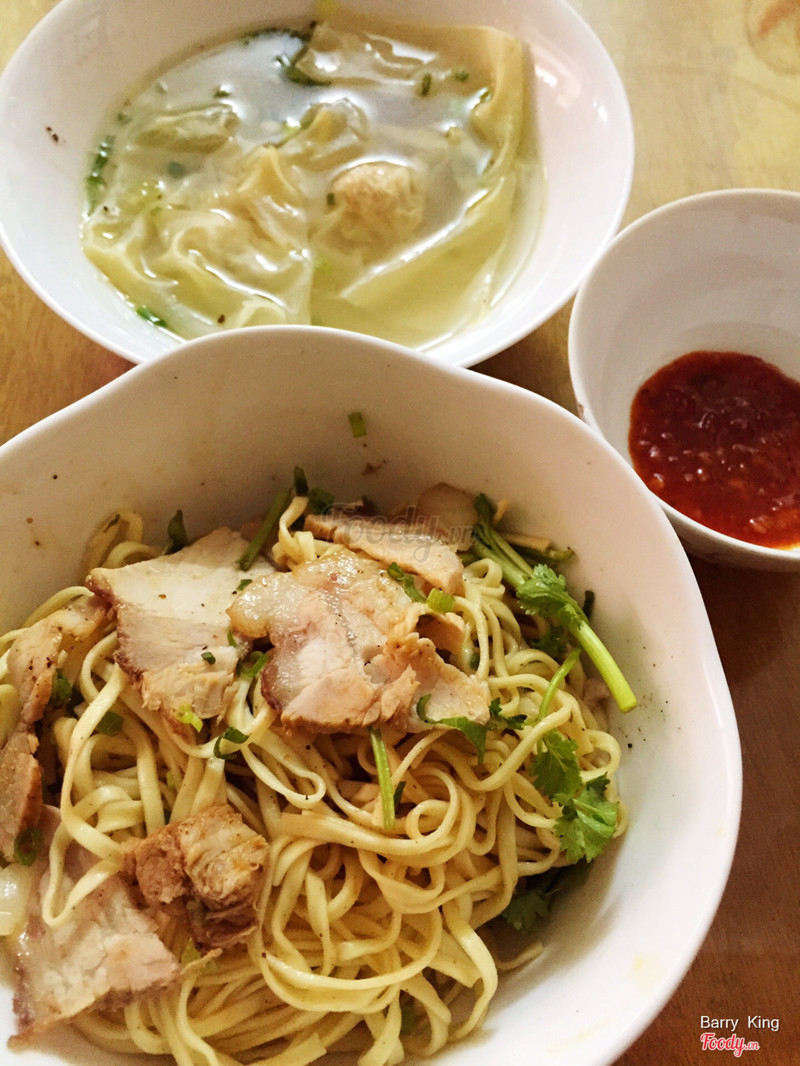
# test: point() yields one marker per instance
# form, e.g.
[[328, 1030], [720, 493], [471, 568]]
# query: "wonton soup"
[[363, 174]]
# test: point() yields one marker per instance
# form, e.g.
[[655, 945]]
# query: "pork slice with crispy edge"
[[33, 661], [172, 623], [346, 653], [415, 546], [107, 953]]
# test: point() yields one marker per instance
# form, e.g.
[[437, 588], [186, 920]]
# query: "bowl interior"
[[218, 425], [718, 271], [87, 54]]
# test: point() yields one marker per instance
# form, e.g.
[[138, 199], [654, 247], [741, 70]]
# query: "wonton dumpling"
[[198, 129], [379, 202]]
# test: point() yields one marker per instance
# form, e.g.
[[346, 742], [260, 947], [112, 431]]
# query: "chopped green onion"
[[187, 716], [244, 583], [319, 501], [151, 317], [252, 666], [110, 725], [398, 574], [233, 736], [384, 776], [62, 692], [267, 528], [300, 481], [440, 602], [95, 182], [232, 639], [357, 424], [27, 845], [292, 72], [425, 84], [176, 532], [209, 657]]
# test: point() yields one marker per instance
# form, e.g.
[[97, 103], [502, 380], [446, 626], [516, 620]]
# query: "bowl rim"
[[731, 199]]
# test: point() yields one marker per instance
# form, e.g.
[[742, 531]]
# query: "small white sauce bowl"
[[716, 271], [85, 55]]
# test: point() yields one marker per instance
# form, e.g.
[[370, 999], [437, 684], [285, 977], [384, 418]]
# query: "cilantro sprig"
[[587, 822], [535, 895], [588, 819], [543, 593], [476, 732]]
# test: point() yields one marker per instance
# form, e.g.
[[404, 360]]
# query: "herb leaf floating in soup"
[[366, 175]]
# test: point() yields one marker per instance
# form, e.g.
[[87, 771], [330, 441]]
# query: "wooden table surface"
[[714, 88]]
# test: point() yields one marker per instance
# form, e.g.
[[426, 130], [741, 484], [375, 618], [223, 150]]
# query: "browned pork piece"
[[208, 869], [33, 661], [172, 623], [34, 656], [347, 653], [415, 545], [107, 954], [21, 795], [448, 511]]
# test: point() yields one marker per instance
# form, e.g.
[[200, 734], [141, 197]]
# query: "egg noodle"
[[371, 941]]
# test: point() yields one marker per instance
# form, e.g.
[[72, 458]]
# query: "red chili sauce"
[[717, 436]]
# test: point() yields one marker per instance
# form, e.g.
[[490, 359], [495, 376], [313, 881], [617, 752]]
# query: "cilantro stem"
[[555, 683], [605, 663], [385, 786], [266, 529], [540, 591]]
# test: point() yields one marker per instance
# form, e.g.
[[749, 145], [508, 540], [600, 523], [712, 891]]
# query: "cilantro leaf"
[[498, 720], [555, 769], [534, 896], [475, 732], [587, 822], [525, 908], [553, 642]]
